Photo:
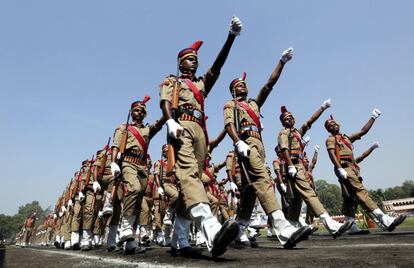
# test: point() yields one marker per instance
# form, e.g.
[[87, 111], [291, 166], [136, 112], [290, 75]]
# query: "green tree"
[[330, 195]]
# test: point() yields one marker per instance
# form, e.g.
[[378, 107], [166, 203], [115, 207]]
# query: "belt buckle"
[[197, 114]]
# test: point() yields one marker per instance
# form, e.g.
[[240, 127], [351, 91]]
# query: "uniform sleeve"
[[166, 89], [205, 179], [330, 143], [117, 137], [276, 165], [303, 129], [154, 128], [229, 162], [157, 168], [210, 79], [98, 160], [283, 139], [228, 113], [354, 137]]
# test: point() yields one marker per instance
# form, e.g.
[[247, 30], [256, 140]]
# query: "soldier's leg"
[[214, 204], [157, 223], [75, 224], [88, 219], [134, 179], [224, 213]]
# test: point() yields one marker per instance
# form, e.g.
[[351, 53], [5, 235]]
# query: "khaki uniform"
[[223, 203], [28, 225], [211, 190], [353, 182], [261, 184], [108, 182], [150, 205], [134, 171], [65, 227], [191, 148], [229, 167], [300, 184], [279, 166]]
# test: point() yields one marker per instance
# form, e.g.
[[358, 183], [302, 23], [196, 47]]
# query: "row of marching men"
[[124, 177]]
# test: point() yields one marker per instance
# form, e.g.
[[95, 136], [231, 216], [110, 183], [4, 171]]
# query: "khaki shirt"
[[285, 137], [185, 96], [146, 131], [276, 164], [344, 150], [157, 168], [99, 159], [244, 117]]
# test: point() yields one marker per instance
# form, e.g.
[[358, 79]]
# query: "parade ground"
[[378, 249]]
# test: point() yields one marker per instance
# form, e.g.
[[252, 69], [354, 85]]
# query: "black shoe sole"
[[224, 237], [396, 222], [360, 232], [301, 234], [345, 226]]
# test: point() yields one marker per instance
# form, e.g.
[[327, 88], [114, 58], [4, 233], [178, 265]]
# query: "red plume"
[[244, 76], [196, 45], [146, 98], [283, 109]]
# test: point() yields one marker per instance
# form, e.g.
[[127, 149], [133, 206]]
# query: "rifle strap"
[[200, 99], [251, 113], [298, 138], [342, 139], [138, 136]]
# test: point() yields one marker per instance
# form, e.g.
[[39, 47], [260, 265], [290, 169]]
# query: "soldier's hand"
[[242, 148], [287, 55], [292, 171], [306, 140], [160, 191], [375, 145], [375, 113], [235, 26], [96, 186], [100, 214], [70, 203], [115, 169], [54, 216], [317, 148], [174, 129], [342, 173], [62, 209], [326, 104], [81, 196], [283, 187]]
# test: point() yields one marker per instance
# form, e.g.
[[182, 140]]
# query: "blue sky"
[[70, 69]]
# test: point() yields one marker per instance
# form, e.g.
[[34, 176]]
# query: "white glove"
[[326, 104], [283, 187], [81, 196], [233, 187], [70, 203], [235, 26], [287, 55], [174, 129], [375, 113], [342, 173], [292, 171], [375, 145], [54, 216], [96, 186], [306, 140], [115, 169], [160, 191], [242, 148], [62, 209], [60, 214], [317, 148], [100, 214]]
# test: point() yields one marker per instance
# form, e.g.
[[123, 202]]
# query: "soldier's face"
[[333, 128], [138, 114], [189, 65], [241, 90], [165, 151], [289, 122]]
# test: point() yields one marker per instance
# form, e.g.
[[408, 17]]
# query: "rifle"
[[68, 193], [161, 182], [101, 169], [75, 186], [243, 169], [170, 143], [119, 161], [341, 181], [88, 176], [289, 190]]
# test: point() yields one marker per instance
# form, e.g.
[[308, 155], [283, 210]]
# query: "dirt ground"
[[379, 249]]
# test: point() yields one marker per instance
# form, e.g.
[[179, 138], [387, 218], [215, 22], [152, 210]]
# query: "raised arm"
[[214, 143], [211, 77], [325, 105], [367, 152], [314, 158], [274, 76], [375, 114]]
